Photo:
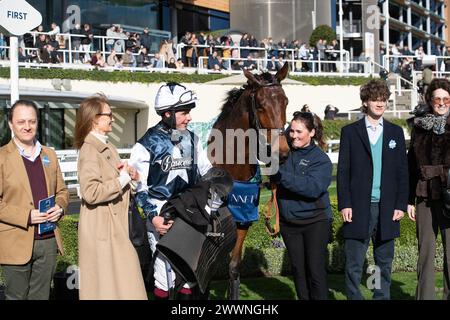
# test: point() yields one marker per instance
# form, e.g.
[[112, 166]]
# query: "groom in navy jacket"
[[372, 188]]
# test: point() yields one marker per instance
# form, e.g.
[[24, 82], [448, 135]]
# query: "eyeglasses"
[[437, 100], [109, 114]]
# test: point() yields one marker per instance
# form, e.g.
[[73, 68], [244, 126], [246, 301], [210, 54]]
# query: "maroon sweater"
[[36, 177]]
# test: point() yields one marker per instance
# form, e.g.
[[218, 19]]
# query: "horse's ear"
[[282, 73], [251, 77]]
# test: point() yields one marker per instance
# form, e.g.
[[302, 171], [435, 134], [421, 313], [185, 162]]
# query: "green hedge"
[[69, 231], [146, 77], [112, 76], [332, 128]]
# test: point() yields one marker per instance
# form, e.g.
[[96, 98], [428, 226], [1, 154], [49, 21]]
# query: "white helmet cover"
[[174, 96]]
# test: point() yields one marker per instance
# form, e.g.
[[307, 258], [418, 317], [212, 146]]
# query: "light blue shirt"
[[31, 157], [374, 132]]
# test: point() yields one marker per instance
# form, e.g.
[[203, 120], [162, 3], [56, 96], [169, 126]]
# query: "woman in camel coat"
[[109, 265]]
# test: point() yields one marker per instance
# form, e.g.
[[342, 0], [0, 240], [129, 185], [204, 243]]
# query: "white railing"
[[426, 59], [70, 53], [68, 163]]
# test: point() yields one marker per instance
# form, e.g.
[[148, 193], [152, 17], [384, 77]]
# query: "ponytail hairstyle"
[[311, 121]]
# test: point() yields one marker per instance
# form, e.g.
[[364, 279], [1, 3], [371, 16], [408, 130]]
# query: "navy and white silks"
[[168, 162], [166, 167]]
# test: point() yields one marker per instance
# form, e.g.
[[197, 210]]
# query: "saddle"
[[197, 241]]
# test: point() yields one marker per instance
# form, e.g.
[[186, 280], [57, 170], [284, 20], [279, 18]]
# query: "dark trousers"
[[355, 254], [32, 281], [307, 249], [429, 220]]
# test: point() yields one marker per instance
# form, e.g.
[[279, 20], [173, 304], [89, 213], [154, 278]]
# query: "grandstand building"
[[407, 22], [170, 16]]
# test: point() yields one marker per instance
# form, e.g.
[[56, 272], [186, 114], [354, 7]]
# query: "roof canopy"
[[69, 97]]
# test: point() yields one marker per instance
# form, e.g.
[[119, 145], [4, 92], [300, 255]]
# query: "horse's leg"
[[235, 262]]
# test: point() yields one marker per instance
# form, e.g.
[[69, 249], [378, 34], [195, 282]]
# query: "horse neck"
[[245, 171]]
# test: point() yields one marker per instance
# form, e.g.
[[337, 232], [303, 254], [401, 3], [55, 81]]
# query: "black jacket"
[[190, 206]]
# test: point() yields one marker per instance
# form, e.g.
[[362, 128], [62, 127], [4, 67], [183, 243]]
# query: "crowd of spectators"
[[130, 49], [120, 49]]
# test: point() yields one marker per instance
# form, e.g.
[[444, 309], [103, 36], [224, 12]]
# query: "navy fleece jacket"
[[303, 181]]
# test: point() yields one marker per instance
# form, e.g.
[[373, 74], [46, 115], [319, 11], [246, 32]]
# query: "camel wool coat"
[[108, 262]]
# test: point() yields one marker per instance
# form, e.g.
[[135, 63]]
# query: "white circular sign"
[[18, 17]]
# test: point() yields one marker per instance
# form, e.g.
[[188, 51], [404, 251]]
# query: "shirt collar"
[[32, 157], [369, 125]]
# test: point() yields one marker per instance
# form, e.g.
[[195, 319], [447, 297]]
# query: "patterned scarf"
[[431, 121]]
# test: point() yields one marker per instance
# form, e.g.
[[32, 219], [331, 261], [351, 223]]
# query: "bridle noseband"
[[253, 118]]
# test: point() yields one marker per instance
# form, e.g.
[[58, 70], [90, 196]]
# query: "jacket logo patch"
[[392, 144], [168, 163], [304, 162]]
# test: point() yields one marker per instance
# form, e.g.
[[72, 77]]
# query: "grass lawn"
[[403, 287]]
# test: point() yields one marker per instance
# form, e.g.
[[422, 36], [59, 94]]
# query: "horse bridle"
[[253, 118]]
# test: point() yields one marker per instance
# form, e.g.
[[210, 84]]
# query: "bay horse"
[[260, 104]]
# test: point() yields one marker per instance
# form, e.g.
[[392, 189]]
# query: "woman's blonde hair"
[[89, 109]]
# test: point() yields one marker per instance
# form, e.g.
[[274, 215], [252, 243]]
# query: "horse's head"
[[268, 107]]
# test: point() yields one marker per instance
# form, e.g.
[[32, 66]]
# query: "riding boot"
[[233, 289]]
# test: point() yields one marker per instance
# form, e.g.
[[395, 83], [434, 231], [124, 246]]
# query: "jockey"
[[169, 159]]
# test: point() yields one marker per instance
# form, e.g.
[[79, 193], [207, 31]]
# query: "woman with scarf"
[[429, 163]]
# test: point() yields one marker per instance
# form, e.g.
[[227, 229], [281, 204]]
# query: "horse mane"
[[230, 101], [228, 108]]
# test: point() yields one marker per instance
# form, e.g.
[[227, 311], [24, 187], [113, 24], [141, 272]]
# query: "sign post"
[[17, 17]]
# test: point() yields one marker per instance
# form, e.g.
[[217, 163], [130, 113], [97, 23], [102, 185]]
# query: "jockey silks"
[[172, 167]]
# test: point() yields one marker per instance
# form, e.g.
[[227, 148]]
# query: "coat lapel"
[[16, 162], [111, 157], [362, 131], [387, 137]]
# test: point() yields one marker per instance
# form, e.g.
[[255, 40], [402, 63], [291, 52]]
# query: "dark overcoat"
[[355, 174]]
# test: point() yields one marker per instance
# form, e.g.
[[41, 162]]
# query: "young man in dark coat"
[[372, 188]]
